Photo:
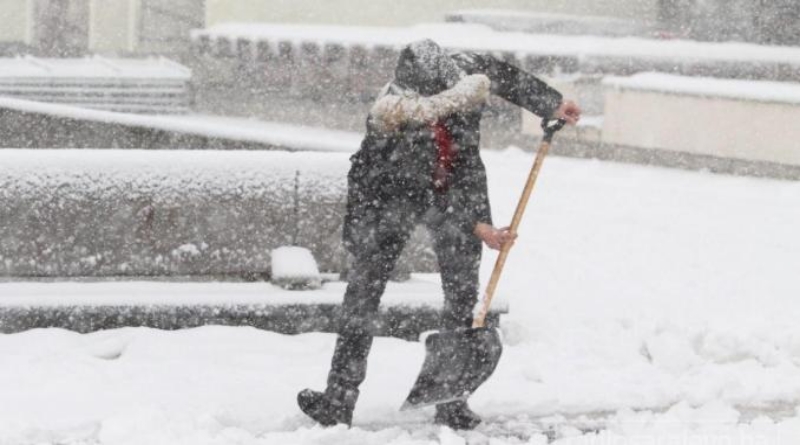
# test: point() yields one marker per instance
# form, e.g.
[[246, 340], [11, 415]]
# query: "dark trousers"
[[375, 253]]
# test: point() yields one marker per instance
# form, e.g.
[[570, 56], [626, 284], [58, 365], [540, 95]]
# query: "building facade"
[[407, 12], [761, 21], [68, 28]]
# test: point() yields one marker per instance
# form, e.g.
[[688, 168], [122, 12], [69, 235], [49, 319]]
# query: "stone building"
[[67, 28], [760, 21], [407, 12]]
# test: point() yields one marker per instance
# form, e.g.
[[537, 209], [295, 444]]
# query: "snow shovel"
[[458, 362]]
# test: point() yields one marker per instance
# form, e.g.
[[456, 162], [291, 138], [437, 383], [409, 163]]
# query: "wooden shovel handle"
[[480, 319]]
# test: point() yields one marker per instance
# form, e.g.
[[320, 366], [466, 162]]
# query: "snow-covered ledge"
[[407, 309], [736, 119], [30, 124]]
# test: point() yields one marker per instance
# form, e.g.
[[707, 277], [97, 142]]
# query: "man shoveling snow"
[[419, 163]]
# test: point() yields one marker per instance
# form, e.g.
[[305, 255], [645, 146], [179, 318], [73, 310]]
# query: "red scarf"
[[444, 157]]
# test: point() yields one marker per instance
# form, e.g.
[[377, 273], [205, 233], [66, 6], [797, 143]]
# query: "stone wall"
[[101, 213]]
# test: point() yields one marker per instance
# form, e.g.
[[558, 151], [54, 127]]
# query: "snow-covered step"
[[126, 85], [407, 309]]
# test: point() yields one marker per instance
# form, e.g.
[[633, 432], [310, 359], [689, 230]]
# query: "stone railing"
[[355, 61]]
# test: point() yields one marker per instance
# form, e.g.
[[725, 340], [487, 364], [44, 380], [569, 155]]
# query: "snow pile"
[[295, 268], [761, 91]]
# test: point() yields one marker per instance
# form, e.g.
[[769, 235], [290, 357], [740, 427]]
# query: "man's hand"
[[493, 237], [569, 111]]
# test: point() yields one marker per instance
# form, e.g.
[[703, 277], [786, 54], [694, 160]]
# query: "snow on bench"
[[125, 85], [407, 309]]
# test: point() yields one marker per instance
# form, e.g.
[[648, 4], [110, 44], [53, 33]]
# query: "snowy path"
[[422, 290], [664, 302]]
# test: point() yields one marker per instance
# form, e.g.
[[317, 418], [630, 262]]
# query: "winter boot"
[[456, 415], [329, 408]]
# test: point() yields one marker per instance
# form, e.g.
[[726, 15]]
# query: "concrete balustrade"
[[371, 53]]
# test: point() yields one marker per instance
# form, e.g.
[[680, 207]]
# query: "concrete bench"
[[743, 120], [719, 125]]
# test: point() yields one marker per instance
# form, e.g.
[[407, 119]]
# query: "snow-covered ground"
[[658, 306]]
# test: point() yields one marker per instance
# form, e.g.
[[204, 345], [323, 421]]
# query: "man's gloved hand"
[[495, 238]]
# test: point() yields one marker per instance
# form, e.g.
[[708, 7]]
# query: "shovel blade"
[[456, 364]]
